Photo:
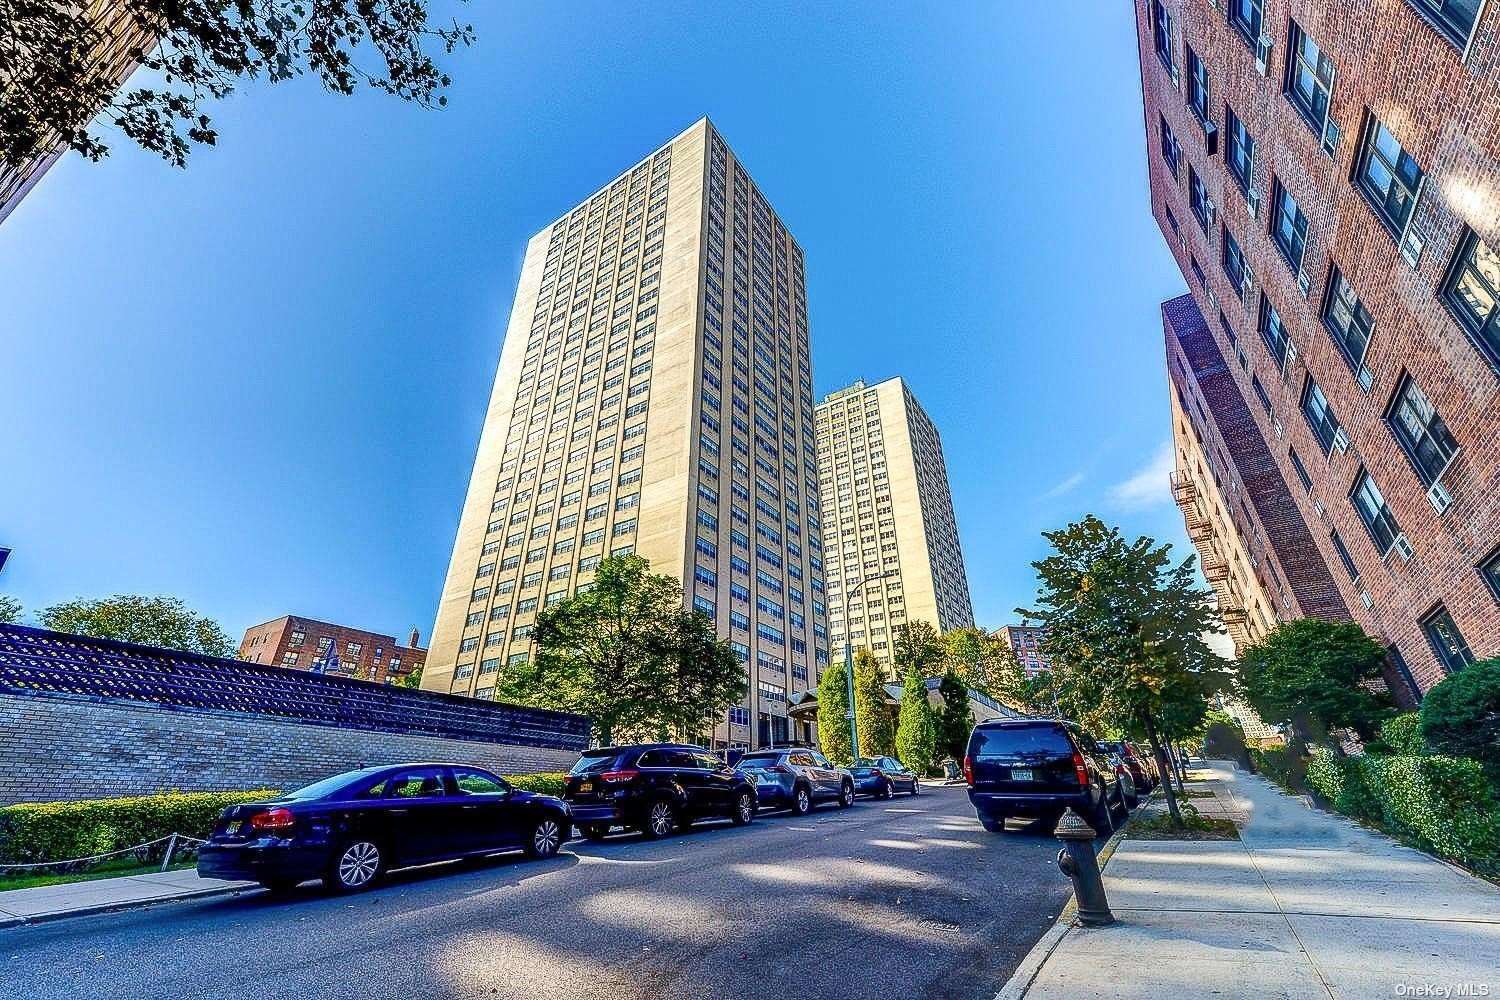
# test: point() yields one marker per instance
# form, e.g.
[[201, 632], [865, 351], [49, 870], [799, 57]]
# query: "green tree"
[[57, 93], [627, 654], [151, 621], [411, 679], [1124, 631], [872, 715], [10, 610], [1461, 714], [1314, 675], [956, 719], [833, 725], [985, 662], [916, 729], [916, 644]]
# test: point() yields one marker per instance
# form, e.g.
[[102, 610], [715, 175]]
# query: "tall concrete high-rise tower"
[[654, 396], [887, 509]]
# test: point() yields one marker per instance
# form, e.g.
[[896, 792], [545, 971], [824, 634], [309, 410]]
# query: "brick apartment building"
[[1026, 641], [308, 644], [1328, 177]]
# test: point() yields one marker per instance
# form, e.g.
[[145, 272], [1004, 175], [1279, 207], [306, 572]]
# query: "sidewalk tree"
[[956, 719], [1315, 676], [1461, 715], [1125, 631], [630, 656], [916, 727], [916, 644], [10, 610], [833, 724], [56, 92], [872, 716], [985, 662], [151, 621]]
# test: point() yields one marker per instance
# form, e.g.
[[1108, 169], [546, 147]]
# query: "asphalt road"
[[905, 898]]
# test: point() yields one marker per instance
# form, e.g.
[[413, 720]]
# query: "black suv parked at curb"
[[654, 788], [1038, 768]]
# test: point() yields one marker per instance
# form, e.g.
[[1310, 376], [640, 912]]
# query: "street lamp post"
[[849, 665]]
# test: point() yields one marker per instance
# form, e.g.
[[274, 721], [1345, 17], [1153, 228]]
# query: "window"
[[1489, 570], [1387, 176], [1344, 556], [425, 783], [1288, 227], [1309, 79], [1454, 18], [1234, 265], [1349, 323], [1260, 394], [1421, 431], [1161, 33], [1447, 641], [1240, 156], [1301, 470], [1245, 17], [1273, 332], [1171, 152], [1472, 292], [1198, 199], [1370, 505], [471, 782], [1197, 85], [1320, 417]]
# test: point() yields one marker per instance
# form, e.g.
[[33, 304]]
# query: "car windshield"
[[758, 760], [868, 762], [594, 763], [326, 787], [1043, 738]]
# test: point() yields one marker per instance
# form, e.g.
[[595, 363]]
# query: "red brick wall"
[[1444, 112], [269, 642]]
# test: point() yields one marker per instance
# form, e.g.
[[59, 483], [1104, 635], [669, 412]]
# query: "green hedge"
[[1281, 765], [61, 831], [1445, 805]]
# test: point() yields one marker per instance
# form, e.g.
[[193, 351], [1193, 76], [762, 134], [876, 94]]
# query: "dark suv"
[[1038, 768], [654, 788]]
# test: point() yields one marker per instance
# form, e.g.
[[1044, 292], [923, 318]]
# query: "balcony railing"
[[1215, 568]]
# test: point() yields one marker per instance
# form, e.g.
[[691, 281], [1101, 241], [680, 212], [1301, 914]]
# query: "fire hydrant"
[[1078, 860]]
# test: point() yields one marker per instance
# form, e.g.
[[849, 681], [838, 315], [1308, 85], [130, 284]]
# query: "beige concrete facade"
[[1227, 562], [654, 396], [887, 509]]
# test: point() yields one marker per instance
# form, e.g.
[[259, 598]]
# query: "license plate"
[[585, 786], [1020, 774], [233, 827]]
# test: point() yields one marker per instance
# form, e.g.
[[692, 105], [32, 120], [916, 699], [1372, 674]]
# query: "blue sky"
[[257, 384]]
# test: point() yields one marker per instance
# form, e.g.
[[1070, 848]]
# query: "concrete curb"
[[118, 905], [1020, 981]]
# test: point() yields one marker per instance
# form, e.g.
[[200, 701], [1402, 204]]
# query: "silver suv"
[[796, 779]]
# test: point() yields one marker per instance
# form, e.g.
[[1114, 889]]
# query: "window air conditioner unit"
[[1263, 55], [1439, 497], [1276, 424], [1304, 283], [1211, 137], [1291, 356], [1331, 137], [1403, 548], [1211, 211], [1341, 440], [1365, 599], [1365, 378], [1252, 199], [1411, 246], [1318, 506]]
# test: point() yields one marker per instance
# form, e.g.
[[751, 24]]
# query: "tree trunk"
[[1163, 767], [1181, 769]]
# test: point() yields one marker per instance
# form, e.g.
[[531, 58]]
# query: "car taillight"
[[273, 820], [968, 769], [778, 769], [1080, 770], [619, 777], [877, 772]]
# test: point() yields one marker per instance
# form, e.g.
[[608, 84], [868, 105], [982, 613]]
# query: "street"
[[907, 897]]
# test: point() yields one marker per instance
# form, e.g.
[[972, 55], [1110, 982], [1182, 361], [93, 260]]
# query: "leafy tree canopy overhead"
[[152, 621], [628, 654], [55, 89], [1315, 676]]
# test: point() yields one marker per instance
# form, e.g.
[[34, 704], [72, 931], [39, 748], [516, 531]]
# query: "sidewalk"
[[1306, 905], [76, 899]]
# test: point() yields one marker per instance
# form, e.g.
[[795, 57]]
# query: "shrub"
[[1403, 734], [1446, 805], [1461, 715], [60, 831], [1325, 775], [1284, 766], [545, 782]]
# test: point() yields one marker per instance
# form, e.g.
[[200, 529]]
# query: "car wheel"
[[744, 809], [279, 886], [994, 824], [846, 795], [801, 801], [595, 831], [1101, 816], [885, 790], [915, 784], [1120, 799], [356, 866], [661, 820], [546, 838]]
